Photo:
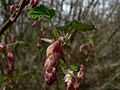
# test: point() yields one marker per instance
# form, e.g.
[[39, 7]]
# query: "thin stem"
[[17, 42], [57, 35]]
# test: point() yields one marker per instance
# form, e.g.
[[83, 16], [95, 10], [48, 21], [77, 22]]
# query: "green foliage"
[[79, 26], [62, 64], [75, 67], [41, 11], [4, 80]]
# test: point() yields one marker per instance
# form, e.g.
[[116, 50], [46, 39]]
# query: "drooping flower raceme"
[[11, 61], [73, 80], [53, 55]]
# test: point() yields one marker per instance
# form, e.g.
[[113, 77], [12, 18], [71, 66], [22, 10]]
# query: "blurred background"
[[102, 66]]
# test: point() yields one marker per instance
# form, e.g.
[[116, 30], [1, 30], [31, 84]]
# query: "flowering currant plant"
[[74, 74], [55, 53]]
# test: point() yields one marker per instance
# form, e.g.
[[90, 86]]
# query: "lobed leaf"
[[41, 11]]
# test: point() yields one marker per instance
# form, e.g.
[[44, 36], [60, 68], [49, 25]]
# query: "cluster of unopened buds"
[[11, 61], [10, 58], [53, 56], [33, 3], [74, 79]]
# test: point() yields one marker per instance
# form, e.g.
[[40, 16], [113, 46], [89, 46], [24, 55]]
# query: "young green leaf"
[[4, 80], [62, 64], [75, 67], [79, 26], [41, 11]]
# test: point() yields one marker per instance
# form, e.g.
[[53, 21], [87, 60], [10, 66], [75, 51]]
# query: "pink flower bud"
[[33, 3], [12, 8], [50, 77], [82, 47], [10, 57], [3, 47], [85, 48], [70, 86], [54, 48], [34, 24]]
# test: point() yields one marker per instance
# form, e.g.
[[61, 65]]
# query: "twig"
[[14, 16], [103, 44]]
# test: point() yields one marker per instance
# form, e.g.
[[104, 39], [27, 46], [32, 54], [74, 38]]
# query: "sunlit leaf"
[[62, 64], [75, 67]]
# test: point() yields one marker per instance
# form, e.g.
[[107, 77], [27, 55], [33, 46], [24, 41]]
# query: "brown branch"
[[14, 16]]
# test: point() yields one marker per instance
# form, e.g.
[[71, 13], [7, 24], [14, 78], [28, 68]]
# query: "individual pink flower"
[[74, 79]]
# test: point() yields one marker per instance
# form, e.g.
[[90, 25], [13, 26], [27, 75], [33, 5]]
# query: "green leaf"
[[41, 11], [75, 67], [62, 64], [85, 25], [4, 80]]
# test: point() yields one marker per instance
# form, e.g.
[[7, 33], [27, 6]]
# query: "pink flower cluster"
[[10, 57], [53, 54], [73, 79]]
